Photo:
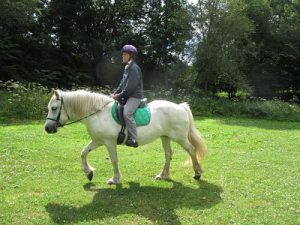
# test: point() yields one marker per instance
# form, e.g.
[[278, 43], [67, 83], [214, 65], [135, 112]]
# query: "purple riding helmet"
[[129, 49]]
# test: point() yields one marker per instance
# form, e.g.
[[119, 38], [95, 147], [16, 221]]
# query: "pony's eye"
[[54, 108]]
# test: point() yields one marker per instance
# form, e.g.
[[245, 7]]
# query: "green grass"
[[251, 176]]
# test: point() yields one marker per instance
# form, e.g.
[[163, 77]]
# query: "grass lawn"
[[251, 176]]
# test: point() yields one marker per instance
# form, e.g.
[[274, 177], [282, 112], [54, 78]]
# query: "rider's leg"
[[131, 105]]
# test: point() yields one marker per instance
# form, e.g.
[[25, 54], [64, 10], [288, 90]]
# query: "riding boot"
[[132, 142]]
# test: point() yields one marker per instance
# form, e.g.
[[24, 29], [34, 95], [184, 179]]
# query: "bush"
[[29, 102], [250, 108], [19, 101]]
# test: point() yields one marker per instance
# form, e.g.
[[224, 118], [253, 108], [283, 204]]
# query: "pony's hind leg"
[[191, 151], [166, 142], [87, 169]]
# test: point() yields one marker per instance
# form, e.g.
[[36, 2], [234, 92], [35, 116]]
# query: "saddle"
[[142, 117], [142, 114]]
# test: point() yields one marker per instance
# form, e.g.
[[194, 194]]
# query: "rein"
[[85, 116], [58, 116]]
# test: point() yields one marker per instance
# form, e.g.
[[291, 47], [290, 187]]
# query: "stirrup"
[[121, 136], [143, 103]]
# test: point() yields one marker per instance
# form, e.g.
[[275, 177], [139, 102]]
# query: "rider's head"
[[129, 52]]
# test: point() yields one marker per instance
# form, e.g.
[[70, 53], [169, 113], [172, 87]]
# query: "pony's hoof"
[[111, 182], [197, 177], [158, 177], [90, 175], [162, 177]]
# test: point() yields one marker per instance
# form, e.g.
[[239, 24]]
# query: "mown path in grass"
[[251, 176]]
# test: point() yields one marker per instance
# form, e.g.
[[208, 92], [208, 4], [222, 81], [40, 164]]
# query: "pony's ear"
[[56, 94]]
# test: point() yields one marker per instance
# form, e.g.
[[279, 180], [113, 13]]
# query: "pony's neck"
[[79, 104]]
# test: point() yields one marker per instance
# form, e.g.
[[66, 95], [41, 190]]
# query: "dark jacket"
[[131, 84]]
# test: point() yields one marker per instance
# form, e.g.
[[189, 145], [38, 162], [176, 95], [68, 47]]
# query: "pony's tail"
[[194, 135]]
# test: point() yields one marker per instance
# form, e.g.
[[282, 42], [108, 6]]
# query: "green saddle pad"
[[142, 116]]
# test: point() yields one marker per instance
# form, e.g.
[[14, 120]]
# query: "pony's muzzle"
[[50, 128]]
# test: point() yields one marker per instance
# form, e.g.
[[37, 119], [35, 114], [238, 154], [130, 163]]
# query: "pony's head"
[[57, 115]]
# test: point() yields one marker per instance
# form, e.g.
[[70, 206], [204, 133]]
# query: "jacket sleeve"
[[119, 89], [133, 81], [121, 84]]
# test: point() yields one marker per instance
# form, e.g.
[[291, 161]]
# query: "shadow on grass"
[[156, 204]]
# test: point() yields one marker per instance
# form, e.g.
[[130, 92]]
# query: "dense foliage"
[[252, 45], [61, 42], [29, 102], [216, 45]]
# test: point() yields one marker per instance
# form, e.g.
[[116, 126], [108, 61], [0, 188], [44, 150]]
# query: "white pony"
[[169, 121]]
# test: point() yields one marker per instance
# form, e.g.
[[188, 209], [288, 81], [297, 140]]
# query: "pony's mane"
[[81, 103]]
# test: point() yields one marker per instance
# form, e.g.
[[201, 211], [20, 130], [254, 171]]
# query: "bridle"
[[59, 114], [57, 120]]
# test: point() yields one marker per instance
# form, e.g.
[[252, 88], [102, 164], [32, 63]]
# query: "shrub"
[[251, 108], [20, 101], [29, 102]]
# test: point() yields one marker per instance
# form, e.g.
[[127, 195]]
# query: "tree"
[[275, 66], [223, 47], [164, 29], [286, 26], [88, 35], [17, 24]]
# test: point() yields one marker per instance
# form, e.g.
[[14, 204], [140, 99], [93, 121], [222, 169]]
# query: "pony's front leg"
[[112, 151], [87, 169]]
